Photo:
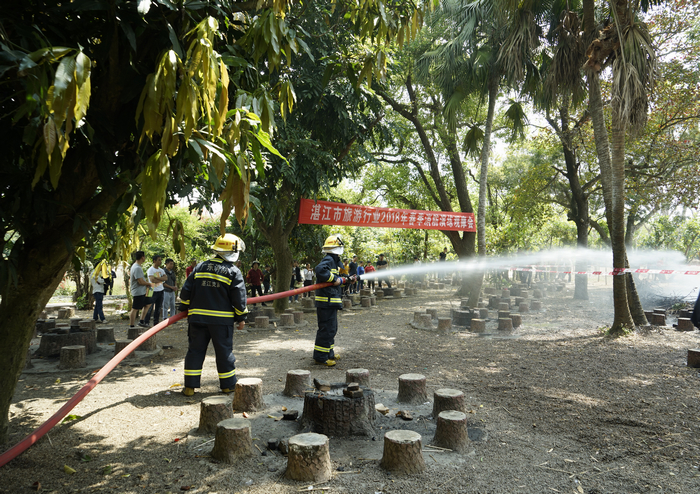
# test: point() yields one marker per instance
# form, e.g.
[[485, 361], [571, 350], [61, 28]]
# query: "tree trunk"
[[485, 156], [623, 317], [283, 270], [40, 269]]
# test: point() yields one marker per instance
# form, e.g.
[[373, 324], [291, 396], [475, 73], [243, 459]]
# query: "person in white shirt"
[[308, 274], [157, 276], [98, 293]]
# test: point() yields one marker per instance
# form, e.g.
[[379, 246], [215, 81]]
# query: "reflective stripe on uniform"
[[186, 302], [213, 313], [216, 260], [189, 372], [335, 300], [226, 375], [321, 349], [239, 312], [321, 299], [212, 276]]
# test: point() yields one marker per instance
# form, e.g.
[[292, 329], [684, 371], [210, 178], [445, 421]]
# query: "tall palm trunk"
[[485, 156], [623, 317]]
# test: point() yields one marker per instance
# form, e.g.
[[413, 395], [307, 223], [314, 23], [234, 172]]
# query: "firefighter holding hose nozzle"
[[329, 300]]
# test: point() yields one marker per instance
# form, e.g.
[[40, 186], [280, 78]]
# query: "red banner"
[[335, 213]]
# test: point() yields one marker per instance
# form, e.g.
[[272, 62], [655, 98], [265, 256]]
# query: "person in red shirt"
[[370, 269], [255, 278], [190, 268]]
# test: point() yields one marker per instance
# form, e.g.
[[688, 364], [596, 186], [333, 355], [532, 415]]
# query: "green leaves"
[[67, 102], [153, 186]]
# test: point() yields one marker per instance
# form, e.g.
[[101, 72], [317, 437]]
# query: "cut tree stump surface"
[[337, 415], [214, 409], [448, 399], [309, 458], [359, 376], [248, 395], [51, 344], [297, 382], [403, 452], [72, 357], [452, 432], [412, 389], [233, 440]]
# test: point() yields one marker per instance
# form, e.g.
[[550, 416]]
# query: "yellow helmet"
[[228, 246], [334, 245]]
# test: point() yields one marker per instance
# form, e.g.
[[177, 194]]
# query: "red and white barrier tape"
[[614, 272]]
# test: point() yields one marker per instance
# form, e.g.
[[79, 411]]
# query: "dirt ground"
[[554, 406]]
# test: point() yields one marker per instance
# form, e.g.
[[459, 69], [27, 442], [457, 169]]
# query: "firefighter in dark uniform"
[[215, 297], [329, 300]]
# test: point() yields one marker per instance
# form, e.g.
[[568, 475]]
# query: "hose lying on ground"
[[38, 433]]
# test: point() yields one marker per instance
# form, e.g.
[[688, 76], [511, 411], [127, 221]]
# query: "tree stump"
[[298, 316], [537, 293], [478, 325], [309, 458], [417, 314], [403, 452], [505, 293], [489, 290], [334, 414], [388, 292], [440, 286], [647, 314], [464, 303], [134, 332], [269, 312], [365, 292], [366, 302], [373, 300], [432, 312], [359, 376], [460, 318], [214, 409], [660, 310], [516, 320], [658, 319], [523, 308], [149, 345], [503, 313], [444, 325], [694, 357], [233, 440], [448, 399], [72, 357], [105, 335], [347, 304], [286, 319], [75, 322], [248, 395], [494, 302], [483, 313], [379, 294], [685, 324], [452, 432], [519, 300], [297, 382], [51, 343], [120, 345], [62, 314], [503, 306], [524, 293], [536, 305], [87, 324], [307, 303], [262, 322], [423, 321], [505, 324], [412, 389]]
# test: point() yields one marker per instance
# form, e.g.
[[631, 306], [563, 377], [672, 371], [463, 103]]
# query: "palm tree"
[[624, 44]]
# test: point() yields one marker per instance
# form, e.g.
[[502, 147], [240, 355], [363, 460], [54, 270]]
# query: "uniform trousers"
[[221, 336], [325, 336]]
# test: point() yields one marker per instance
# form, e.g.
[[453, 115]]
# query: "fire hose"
[[38, 433]]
